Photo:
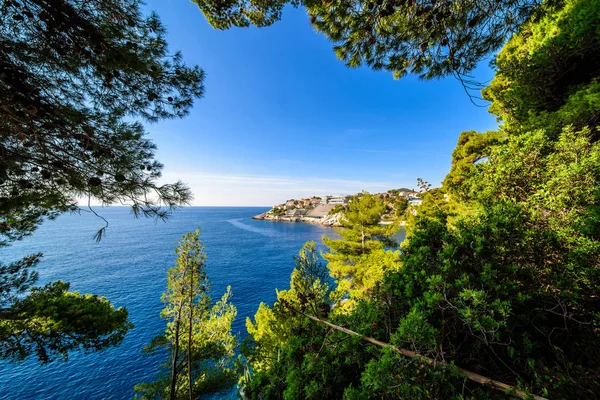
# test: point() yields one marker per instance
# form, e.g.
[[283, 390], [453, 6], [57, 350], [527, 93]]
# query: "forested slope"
[[500, 271]]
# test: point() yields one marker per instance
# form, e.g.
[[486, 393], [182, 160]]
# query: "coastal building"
[[320, 211], [408, 195], [415, 201], [335, 200]]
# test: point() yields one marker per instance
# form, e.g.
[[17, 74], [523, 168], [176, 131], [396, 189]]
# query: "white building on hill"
[[335, 200]]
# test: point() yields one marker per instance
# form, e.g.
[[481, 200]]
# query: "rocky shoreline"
[[328, 220]]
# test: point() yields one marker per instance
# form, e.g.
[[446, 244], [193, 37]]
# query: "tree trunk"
[[189, 355], [362, 232], [483, 380], [175, 354]]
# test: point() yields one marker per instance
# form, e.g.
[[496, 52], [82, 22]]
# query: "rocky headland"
[[328, 220], [328, 210]]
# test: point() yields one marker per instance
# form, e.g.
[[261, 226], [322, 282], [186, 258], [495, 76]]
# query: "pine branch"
[[483, 380]]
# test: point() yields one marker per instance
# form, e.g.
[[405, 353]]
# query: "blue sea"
[[129, 267]]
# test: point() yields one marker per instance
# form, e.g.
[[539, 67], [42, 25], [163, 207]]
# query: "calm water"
[[128, 267]]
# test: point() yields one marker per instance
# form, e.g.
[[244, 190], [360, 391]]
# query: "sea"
[[128, 267]]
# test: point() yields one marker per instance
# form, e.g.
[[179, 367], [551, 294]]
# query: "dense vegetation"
[[77, 79], [359, 260], [500, 271]]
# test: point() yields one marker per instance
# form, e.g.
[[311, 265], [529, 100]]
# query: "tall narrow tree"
[[198, 336]]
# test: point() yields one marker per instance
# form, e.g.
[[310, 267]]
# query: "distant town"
[[326, 210]]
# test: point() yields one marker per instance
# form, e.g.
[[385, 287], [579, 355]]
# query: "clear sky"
[[283, 118]]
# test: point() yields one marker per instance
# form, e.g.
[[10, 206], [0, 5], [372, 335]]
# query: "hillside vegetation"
[[500, 271]]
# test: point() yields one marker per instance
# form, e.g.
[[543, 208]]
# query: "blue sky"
[[283, 118]]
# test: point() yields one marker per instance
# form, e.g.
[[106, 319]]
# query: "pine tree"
[[430, 38], [357, 260], [309, 292], [198, 336], [77, 80], [50, 321]]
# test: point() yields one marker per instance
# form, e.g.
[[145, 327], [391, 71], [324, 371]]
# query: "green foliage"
[[401, 204], [397, 191], [17, 279], [379, 380], [500, 270], [487, 296], [547, 73], [359, 259], [339, 208], [277, 211], [428, 38], [48, 322], [309, 291], [312, 364], [198, 336], [472, 147], [51, 321], [77, 80], [361, 233], [293, 358], [501, 275]]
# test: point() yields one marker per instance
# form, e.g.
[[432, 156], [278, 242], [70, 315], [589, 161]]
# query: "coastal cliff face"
[[328, 220]]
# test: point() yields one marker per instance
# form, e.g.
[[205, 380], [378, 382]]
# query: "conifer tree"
[[431, 38], [198, 336], [357, 260], [77, 80], [501, 271], [50, 321], [309, 291]]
